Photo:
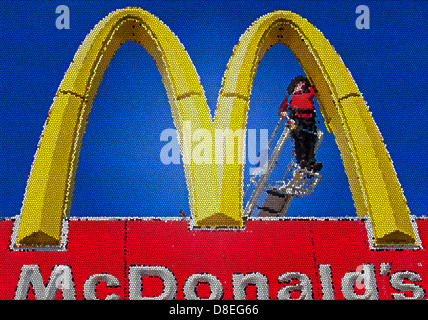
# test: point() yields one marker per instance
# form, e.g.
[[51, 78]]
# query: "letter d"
[[217, 309], [135, 282]]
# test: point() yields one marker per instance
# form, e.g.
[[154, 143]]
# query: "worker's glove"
[[283, 114]]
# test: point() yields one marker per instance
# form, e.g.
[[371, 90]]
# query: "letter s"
[[397, 283]]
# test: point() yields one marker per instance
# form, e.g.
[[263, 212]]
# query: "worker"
[[301, 110]]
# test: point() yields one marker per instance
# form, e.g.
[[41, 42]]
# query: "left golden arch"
[[50, 186]]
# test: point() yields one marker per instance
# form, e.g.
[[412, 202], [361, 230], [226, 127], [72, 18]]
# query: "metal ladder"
[[295, 182]]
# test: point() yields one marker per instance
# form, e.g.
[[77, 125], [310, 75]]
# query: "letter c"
[[92, 282]]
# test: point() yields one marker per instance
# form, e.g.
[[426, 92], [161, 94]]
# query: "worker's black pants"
[[304, 142]]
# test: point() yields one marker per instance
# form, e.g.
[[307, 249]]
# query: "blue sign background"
[[120, 172]]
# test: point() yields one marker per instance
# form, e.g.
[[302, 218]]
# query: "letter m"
[[60, 279]]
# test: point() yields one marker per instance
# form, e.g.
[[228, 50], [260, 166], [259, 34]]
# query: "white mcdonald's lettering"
[[61, 278]]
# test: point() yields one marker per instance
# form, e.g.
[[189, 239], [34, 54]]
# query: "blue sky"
[[120, 172]]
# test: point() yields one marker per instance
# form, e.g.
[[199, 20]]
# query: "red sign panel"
[[166, 259]]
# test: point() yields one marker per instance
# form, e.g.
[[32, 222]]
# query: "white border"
[[373, 246], [191, 226], [16, 247]]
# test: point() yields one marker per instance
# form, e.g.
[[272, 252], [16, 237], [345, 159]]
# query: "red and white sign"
[[164, 258]]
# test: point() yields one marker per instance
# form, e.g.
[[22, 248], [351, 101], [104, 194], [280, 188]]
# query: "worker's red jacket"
[[301, 105]]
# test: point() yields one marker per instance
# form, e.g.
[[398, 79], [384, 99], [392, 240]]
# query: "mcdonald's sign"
[[217, 253]]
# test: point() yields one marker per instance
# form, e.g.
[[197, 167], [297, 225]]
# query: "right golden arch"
[[373, 181]]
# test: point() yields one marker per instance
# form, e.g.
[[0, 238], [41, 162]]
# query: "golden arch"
[[215, 191]]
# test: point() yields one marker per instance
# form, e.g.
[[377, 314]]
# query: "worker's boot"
[[303, 164], [317, 167]]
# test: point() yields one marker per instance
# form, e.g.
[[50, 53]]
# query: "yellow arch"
[[215, 191], [372, 178]]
